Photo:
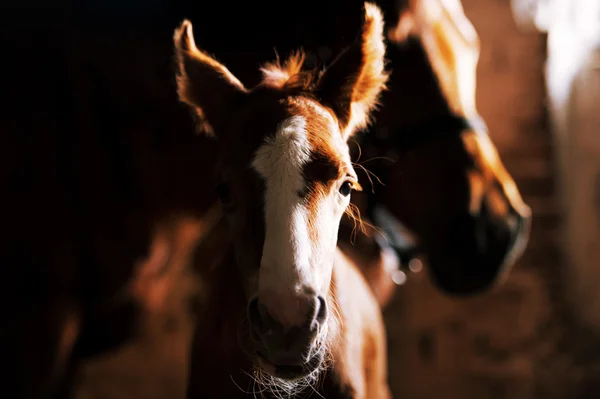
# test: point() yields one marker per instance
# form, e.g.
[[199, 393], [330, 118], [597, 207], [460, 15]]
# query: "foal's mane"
[[290, 75]]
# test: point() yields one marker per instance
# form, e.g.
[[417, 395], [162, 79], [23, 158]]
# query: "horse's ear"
[[202, 82], [405, 27], [352, 84]]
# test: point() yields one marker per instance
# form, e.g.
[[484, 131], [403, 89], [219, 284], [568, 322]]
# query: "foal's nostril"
[[263, 322], [321, 310]]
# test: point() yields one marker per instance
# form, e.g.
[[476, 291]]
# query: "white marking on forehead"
[[280, 159]]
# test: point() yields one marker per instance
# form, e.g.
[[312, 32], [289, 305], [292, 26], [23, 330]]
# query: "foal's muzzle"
[[288, 352]]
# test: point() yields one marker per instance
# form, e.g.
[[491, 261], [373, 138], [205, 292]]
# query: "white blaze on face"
[[285, 264], [300, 242]]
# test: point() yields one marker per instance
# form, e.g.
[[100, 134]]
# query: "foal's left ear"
[[202, 82], [352, 84]]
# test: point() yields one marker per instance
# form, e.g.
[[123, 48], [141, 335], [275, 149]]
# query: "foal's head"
[[284, 179]]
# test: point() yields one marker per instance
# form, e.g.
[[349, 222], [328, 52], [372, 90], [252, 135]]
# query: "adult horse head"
[[284, 179], [447, 183]]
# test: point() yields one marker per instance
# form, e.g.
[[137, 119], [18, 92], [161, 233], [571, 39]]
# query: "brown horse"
[[446, 182], [285, 179]]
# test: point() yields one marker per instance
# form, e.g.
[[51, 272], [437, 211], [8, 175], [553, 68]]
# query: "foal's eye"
[[224, 193], [346, 188]]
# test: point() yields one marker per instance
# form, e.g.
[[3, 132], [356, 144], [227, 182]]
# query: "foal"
[[285, 179]]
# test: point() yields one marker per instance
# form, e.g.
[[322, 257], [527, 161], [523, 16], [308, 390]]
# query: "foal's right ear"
[[202, 82], [352, 83]]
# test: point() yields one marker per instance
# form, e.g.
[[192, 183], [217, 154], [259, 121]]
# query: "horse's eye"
[[224, 193], [346, 188]]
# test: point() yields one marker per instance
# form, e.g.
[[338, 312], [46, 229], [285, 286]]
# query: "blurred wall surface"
[[573, 82]]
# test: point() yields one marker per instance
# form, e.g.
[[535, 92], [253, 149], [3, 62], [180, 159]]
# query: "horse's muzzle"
[[285, 352], [478, 251]]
